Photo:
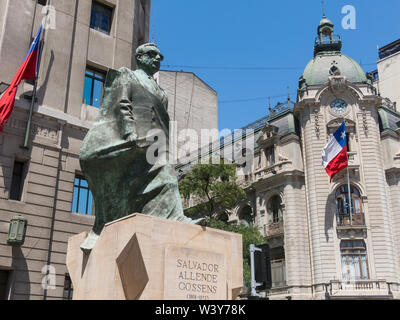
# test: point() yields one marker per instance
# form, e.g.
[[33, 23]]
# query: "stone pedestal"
[[140, 257]]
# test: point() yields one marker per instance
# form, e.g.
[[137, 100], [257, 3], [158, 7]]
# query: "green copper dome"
[[324, 65], [328, 60]]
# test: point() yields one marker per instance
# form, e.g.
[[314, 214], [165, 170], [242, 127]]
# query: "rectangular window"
[[270, 155], [68, 290], [101, 17], [93, 89], [278, 273], [278, 267], [17, 181], [354, 260], [82, 200]]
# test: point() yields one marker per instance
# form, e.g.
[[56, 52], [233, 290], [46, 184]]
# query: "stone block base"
[[140, 257]]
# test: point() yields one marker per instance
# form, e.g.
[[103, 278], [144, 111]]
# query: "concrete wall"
[[389, 78], [191, 102]]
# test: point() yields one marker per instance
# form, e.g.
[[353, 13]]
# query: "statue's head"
[[149, 58]]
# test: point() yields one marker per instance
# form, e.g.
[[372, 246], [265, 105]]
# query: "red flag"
[[27, 70], [334, 155]]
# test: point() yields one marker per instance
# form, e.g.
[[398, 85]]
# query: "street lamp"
[[17, 230]]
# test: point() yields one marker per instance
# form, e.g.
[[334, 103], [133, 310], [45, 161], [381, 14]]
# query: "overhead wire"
[[257, 68]]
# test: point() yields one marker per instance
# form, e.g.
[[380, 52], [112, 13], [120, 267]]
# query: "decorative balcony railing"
[[274, 228], [356, 219], [328, 44], [327, 40], [358, 288], [268, 172]]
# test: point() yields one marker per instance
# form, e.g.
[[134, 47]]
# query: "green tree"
[[250, 235], [215, 186]]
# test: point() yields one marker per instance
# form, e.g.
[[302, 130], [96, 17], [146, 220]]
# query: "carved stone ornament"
[[365, 120], [270, 132], [352, 232], [36, 129], [335, 123], [337, 83], [317, 123]]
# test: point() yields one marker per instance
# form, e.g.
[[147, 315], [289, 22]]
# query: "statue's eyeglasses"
[[153, 54]]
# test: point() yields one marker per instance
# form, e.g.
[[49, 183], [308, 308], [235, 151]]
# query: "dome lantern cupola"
[[326, 40], [329, 60]]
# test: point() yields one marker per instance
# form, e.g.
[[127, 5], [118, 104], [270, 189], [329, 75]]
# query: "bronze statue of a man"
[[114, 153]]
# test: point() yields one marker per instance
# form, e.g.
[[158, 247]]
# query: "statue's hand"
[[131, 137]]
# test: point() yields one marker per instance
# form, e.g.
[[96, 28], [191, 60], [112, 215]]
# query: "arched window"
[[274, 208], [343, 206], [245, 216]]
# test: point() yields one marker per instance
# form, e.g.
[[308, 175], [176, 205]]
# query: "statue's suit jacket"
[[114, 155]]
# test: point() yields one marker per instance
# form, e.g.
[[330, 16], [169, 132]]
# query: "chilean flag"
[[27, 70], [334, 155]]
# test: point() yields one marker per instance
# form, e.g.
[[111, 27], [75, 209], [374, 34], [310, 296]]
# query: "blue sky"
[[216, 38]]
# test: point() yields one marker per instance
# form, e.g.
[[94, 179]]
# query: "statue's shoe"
[[191, 221], [89, 243]]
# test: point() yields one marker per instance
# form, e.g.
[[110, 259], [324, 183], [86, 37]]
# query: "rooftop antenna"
[[323, 9], [288, 95], [269, 105]]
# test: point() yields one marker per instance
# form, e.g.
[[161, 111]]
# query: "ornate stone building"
[[320, 248]]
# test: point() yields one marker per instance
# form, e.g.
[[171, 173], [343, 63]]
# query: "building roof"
[[181, 71], [324, 65], [389, 49]]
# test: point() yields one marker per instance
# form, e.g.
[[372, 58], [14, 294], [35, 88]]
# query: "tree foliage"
[[250, 235], [215, 185]]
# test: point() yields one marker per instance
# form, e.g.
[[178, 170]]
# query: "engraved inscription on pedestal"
[[192, 274]]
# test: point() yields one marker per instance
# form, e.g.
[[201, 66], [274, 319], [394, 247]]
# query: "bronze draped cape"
[[113, 153]]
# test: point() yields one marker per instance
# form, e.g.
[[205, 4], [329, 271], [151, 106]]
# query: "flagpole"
[[28, 126], [34, 16], [348, 180], [348, 186]]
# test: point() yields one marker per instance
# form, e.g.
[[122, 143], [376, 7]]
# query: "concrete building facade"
[[388, 82], [87, 38], [193, 105]]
